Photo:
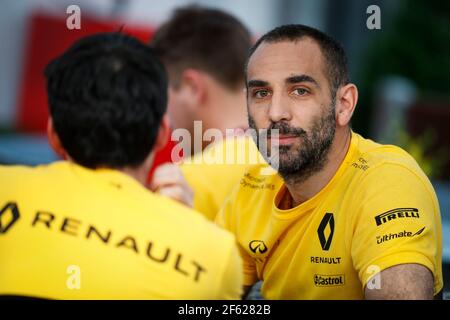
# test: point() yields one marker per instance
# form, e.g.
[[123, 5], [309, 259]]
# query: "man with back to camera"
[[204, 51], [345, 217], [87, 228]]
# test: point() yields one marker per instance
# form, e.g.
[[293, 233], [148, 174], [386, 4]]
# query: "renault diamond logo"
[[326, 231], [257, 245], [9, 214]]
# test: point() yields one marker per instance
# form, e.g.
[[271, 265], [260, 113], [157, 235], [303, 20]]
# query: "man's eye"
[[261, 94], [300, 91]]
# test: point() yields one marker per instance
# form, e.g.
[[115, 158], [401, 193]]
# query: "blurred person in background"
[[91, 215], [204, 51], [345, 218]]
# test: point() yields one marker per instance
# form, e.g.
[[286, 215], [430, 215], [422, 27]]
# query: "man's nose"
[[279, 109]]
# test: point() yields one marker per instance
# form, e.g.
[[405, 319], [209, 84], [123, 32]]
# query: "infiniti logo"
[[257, 245]]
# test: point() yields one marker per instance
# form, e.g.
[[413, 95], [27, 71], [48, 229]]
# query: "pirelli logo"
[[396, 214]]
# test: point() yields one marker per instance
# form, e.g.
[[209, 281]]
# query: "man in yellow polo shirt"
[[204, 50], [217, 170], [342, 217], [87, 228]]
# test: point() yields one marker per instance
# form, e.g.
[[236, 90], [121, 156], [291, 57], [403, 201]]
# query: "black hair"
[[107, 95], [333, 53]]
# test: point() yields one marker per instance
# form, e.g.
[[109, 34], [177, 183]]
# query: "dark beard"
[[297, 165]]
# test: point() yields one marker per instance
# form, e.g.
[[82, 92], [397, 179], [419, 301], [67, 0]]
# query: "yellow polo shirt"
[[68, 232], [213, 173], [379, 210]]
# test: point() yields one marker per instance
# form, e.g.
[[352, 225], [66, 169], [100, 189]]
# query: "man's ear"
[[54, 141], [346, 99], [193, 86], [163, 134]]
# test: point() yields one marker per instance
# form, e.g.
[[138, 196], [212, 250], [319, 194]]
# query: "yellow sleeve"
[[225, 219], [397, 221]]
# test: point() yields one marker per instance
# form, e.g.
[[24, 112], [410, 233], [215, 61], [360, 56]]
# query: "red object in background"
[[162, 156], [48, 37]]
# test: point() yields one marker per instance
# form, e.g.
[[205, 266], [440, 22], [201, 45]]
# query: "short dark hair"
[[107, 95], [207, 39], [332, 51]]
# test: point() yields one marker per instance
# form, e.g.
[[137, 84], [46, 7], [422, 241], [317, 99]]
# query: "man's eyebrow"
[[302, 78], [257, 83]]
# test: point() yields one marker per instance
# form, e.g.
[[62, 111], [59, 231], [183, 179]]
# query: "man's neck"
[[140, 173], [301, 191]]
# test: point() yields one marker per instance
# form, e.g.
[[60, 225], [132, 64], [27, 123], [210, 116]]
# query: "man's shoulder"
[[184, 220], [11, 170], [387, 165], [21, 174], [215, 172], [374, 156], [257, 186]]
